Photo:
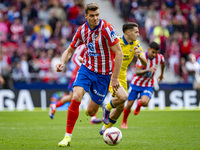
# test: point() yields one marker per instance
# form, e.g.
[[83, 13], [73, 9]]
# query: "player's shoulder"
[[106, 24], [137, 43], [160, 55], [82, 26]]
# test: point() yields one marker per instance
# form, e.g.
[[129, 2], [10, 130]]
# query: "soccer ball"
[[112, 136]]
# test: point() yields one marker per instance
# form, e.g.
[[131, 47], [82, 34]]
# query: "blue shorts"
[[70, 87], [96, 84], [134, 90]]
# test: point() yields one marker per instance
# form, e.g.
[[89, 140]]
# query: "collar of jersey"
[[125, 42], [95, 27]]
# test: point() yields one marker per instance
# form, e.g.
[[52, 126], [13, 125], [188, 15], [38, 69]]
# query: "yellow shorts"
[[123, 82]]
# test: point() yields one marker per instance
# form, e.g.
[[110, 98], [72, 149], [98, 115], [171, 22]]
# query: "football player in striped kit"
[[142, 82], [94, 75]]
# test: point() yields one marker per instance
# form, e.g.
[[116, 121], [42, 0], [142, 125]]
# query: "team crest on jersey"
[[97, 37], [113, 35]]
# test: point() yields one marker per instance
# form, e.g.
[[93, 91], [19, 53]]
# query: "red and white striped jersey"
[[147, 79], [98, 56], [80, 50]]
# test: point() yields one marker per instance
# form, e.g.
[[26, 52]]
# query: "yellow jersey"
[[128, 55]]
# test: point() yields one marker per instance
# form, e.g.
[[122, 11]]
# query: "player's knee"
[[76, 98], [124, 97], [144, 103]]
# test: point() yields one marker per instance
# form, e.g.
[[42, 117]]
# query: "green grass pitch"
[[150, 130]]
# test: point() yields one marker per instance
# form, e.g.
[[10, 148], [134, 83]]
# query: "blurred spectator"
[[179, 21], [43, 14], [183, 70], [5, 69], [174, 56], [192, 67], [125, 9], [150, 23], [67, 30], [17, 28], [15, 58], [58, 11], [17, 73], [185, 7], [44, 29], [44, 63], [54, 61], [3, 30], [160, 34], [193, 25], [37, 40], [186, 46], [140, 16], [25, 67]]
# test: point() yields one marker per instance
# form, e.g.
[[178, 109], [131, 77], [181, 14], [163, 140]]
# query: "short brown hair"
[[91, 6], [129, 25]]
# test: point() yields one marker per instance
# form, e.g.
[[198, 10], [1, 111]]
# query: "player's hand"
[[137, 51], [152, 69], [59, 67], [160, 78], [2, 81], [80, 59], [115, 84]]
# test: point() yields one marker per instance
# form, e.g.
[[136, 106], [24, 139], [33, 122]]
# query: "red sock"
[[59, 103], [139, 103], [72, 115], [125, 115], [96, 113]]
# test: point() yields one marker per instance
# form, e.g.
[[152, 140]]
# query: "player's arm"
[[117, 66], [64, 58], [142, 59], [140, 56], [140, 71], [162, 67], [2, 81]]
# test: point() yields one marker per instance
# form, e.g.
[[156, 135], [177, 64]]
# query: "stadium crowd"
[[34, 33]]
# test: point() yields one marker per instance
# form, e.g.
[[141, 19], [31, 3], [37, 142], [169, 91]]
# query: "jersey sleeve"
[[79, 52], [111, 35], [162, 59], [77, 40]]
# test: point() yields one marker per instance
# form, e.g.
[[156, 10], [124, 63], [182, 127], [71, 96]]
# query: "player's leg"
[[81, 86], [133, 93], [72, 115], [126, 112], [120, 97], [114, 115], [92, 111], [66, 98], [145, 95]]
